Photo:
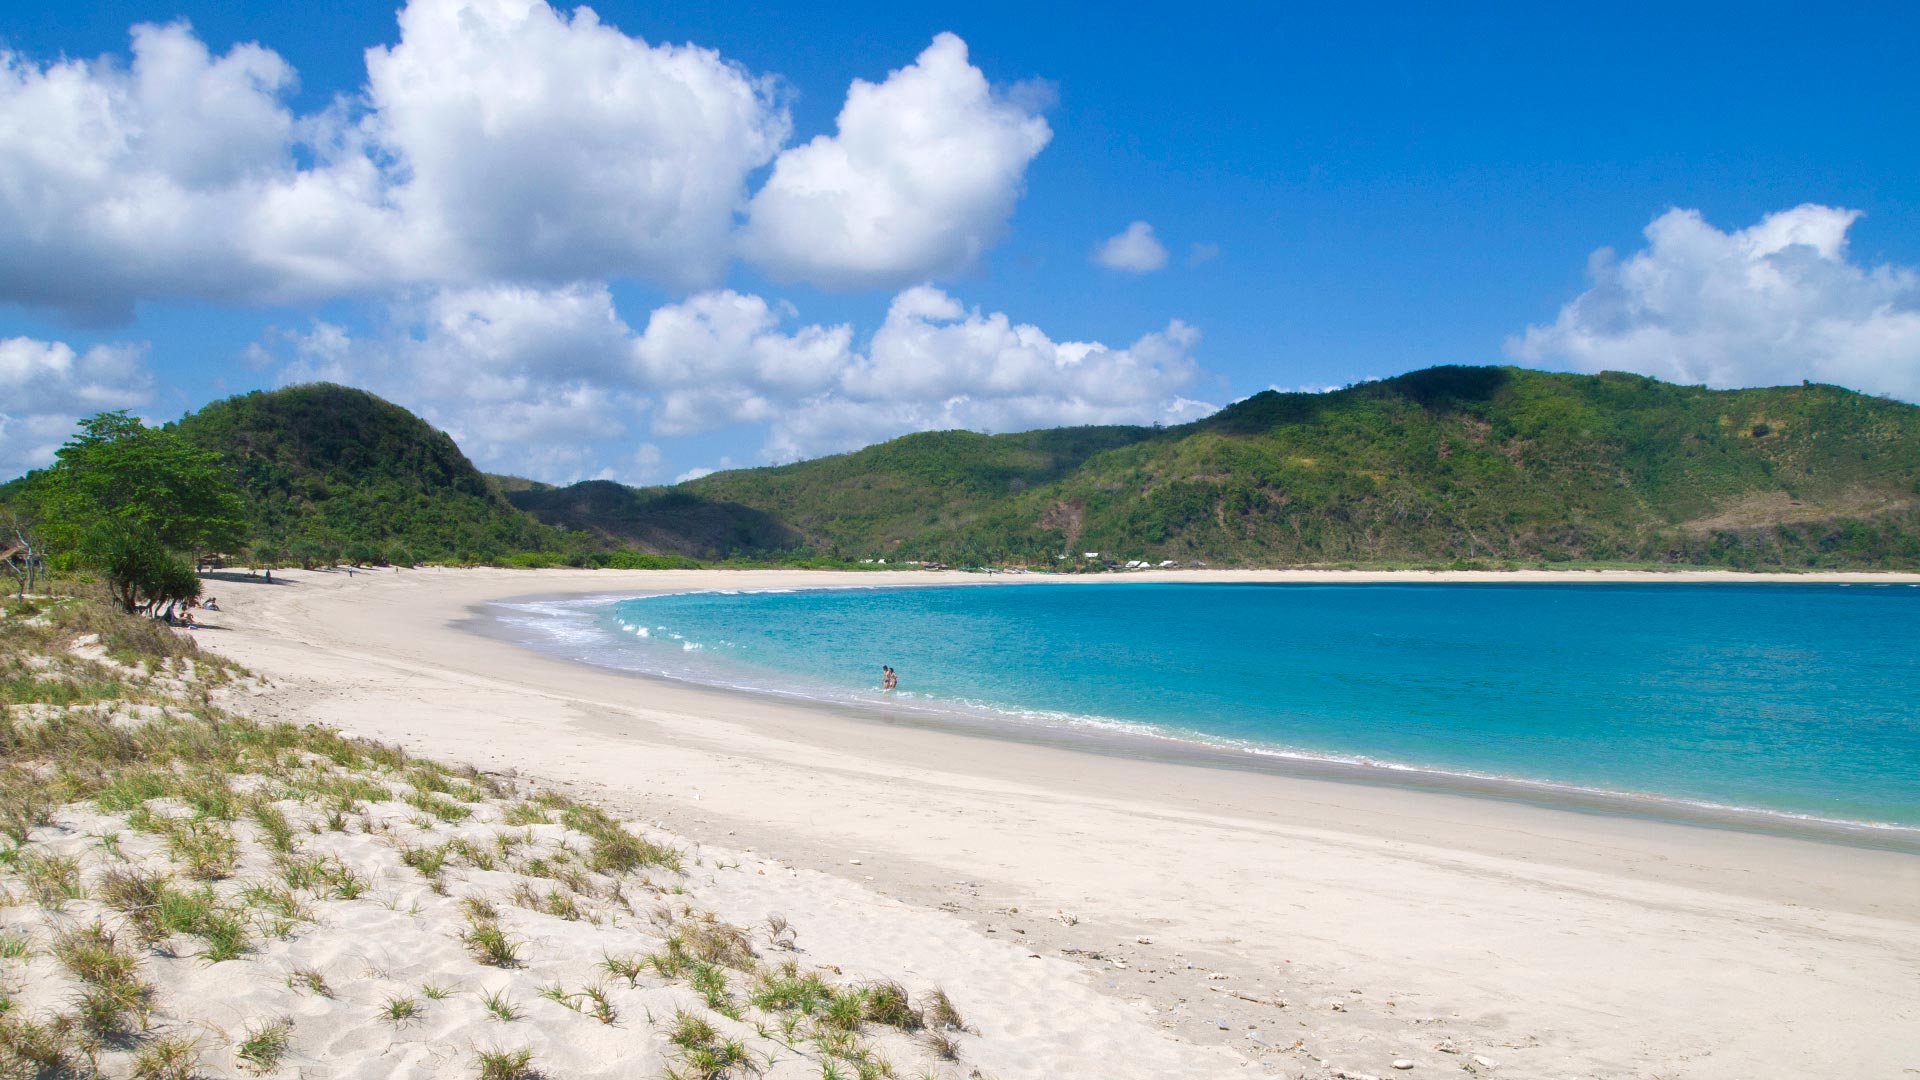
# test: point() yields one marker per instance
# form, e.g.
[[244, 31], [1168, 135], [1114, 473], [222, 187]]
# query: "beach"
[[1113, 915]]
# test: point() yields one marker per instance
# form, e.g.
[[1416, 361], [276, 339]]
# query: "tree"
[[23, 547], [178, 582], [138, 568], [308, 553], [116, 468]]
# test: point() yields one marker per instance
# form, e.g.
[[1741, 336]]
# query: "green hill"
[[1452, 464], [329, 469], [662, 520], [852, 504]]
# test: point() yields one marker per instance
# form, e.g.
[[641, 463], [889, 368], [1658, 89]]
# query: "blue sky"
[[598, 285]]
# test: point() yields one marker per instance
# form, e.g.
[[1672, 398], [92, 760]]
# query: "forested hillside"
[[331, 471], [668, 520], [1448, 466], [1495, 465]]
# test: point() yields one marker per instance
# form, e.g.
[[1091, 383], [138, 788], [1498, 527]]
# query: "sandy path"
[[1546, 942]]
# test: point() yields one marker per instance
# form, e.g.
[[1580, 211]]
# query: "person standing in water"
[[888, 679]]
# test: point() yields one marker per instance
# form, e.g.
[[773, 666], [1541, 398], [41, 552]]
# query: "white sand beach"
[[1100, 916]]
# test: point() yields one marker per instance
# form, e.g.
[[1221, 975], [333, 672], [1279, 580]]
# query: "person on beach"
[[888, 680]]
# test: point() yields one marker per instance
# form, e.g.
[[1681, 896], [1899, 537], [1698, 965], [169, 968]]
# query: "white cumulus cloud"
[[498, 139], [1134, 250], [935, 364], [918, 181], [47, 386], [1777, 302], [720, 358], [495, 140], [156, 178], [532, 144]]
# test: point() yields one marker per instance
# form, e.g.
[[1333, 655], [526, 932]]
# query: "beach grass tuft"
[[496, 1064], [940, 1012], [628, 966], [113, 1001], [706, 938], [136, 895], [27, 801], [690, 1030], [310, 980], [401, 1010], [263, 1045], [203, 846], [787, 988], [884, 1001], [780, 932], [36, 1048], [442, 808], [940, 1044], [526, 813], [275, 831], [710, 982], [500, 1006], [490, 945], [52, 880], [175, 1058], [600, 1005], [842, 1011]]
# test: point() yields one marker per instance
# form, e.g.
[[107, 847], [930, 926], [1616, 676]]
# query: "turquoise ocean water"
[[1800, 700]]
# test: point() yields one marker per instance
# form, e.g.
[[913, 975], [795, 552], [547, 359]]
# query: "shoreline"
[[1149, 742], [1202, 896]]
